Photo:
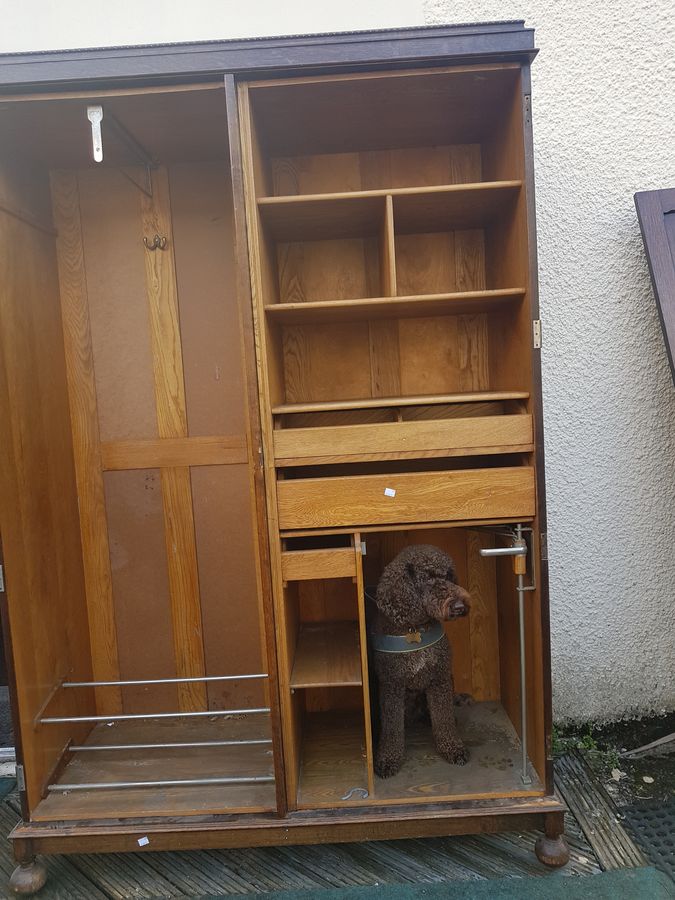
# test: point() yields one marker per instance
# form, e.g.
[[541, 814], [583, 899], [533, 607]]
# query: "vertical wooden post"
[[160, 271], [86, 439]]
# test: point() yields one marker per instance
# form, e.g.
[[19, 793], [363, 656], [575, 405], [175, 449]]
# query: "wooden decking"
[[252, 871]]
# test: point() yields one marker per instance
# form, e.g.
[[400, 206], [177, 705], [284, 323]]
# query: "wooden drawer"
[[394, 440], [419, 497], [302, 565]]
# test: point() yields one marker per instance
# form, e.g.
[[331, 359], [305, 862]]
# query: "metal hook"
[[157, 243]]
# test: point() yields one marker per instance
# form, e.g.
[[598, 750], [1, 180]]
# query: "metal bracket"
[[95, 116], [2, 579], [20, 778], [536, 334]]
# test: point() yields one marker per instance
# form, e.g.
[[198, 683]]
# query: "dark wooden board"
[[656, 214]]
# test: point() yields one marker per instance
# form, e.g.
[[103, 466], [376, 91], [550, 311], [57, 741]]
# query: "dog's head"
[[420, 584]]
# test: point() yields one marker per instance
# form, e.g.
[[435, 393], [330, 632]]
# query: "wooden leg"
[[552, 849], [28, 877]]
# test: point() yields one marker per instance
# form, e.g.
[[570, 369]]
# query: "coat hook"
[[157, 243]]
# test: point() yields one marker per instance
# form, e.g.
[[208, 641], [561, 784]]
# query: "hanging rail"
[[57, 720], [182, 782], [80, 748], [79, 684]]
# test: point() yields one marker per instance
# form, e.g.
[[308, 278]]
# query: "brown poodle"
[[416, 592]]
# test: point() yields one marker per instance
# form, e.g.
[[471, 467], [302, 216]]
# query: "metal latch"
[[2, 579], [20, 778], [536, 334]]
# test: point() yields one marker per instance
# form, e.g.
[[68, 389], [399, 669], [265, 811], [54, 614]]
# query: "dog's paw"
[[386, 766], [463, 700], [456, 754]]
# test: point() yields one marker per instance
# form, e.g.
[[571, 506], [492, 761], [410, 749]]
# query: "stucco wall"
[[604, 123], [604, 120]]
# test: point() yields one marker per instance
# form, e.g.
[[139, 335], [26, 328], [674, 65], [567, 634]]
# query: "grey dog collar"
[[405, 643]]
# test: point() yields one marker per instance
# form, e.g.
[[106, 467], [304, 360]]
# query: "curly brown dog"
[[415, 593]]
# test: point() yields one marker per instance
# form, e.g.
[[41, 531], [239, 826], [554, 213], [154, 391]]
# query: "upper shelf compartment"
[[436, 208], [367, 131]]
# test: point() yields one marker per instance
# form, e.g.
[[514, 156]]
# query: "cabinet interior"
[[391, 281]]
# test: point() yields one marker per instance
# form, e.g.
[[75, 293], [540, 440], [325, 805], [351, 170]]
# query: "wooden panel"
[[172, 423], [202, 225], [224, 531], [184, 586], [327, 600], [39, 521], [300, 565], [327, 655], [485, 649], [322, 362], [405, 167], [489, 434], [431, 496], [333, 760], [365, 675], [85, 430], [118, 309], [328, 270], [166, 452], [135, 526], [443, 355]]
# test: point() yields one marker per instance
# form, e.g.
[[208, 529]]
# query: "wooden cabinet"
[[285, 327]]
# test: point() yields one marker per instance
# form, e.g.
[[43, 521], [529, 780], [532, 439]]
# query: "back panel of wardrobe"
[[162, 343]]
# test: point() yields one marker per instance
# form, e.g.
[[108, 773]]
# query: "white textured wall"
[[604, 124], [604, 120]]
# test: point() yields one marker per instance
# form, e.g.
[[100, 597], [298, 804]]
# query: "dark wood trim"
[[297, 828], [656, 215], [116, 66], [248, 343], [538, 417]]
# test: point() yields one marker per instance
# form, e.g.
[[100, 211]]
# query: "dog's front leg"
[[446, 737], [391, 746]]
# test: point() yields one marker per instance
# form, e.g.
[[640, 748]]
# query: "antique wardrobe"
[[268, 314]]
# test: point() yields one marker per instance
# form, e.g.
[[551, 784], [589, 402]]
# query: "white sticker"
[[389, 492], [143, 842]]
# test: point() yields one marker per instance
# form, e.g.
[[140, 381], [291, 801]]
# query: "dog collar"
[[408, 643]]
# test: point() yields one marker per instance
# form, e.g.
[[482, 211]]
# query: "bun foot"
[[28, 878], [552, 851]]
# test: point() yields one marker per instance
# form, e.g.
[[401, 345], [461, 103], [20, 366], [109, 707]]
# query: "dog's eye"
[[450, 576]]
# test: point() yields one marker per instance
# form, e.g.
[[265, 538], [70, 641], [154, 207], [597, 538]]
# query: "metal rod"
[[504, 551], [186, 782], [79, 748], [71, 684], [520, 587], [57, 720]]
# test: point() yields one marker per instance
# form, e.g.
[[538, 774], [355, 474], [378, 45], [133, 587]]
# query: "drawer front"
[[439, 437], [302, 565], [406, 497]]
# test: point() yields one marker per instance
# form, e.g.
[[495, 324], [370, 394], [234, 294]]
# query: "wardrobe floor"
[[332, 763], [160, 764]]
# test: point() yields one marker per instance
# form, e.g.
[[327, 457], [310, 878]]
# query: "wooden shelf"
[[327, 655], [359, 213], [420, 306], [418, 400]]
